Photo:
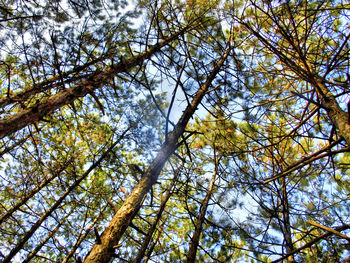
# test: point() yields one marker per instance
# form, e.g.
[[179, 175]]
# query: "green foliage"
[[283, 161]]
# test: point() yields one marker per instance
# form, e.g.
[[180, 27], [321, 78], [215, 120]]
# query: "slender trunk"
[[50, 235], [102, 253], [96, 80], [82, 238], [191, 255], [303, 69], [286, 222], [38, 223], [31, 194], [151, 230], [154, 243]]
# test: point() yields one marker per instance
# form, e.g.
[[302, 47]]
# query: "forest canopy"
[[174, 131]]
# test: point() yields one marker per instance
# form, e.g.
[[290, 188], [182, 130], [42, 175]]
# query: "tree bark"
[[49, 83], [104, 252], [94, 81], [154, 243], [339, 118], [302, 68]]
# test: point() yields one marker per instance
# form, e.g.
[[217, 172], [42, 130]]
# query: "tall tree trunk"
[[191, 255], [48, 213], [82, 237], [102, 253], [94, 81], [35, 251], [339, 118], [50, 83], [152, 228], [286, 222], [155, 241], [302, 68], [25, 198]]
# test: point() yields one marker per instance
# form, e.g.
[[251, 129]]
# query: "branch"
[[335, 232], [309, 159], [312, 242]]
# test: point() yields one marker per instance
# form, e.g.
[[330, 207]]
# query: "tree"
[[92, 143], [297, 91], [191, 257]]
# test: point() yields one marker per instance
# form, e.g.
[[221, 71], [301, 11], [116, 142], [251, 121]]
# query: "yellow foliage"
[[255, 148], [190, 2], [197, 146]]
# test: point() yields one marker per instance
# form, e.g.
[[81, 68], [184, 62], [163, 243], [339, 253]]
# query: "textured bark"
[[192, 251], [153, 227], [104, 252], [97, 80], [49, 83], [339, 118]]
